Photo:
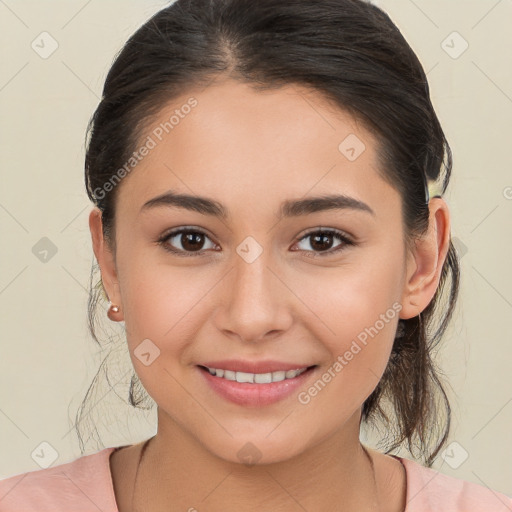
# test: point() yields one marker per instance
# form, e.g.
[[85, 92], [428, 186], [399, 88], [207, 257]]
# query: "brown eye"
[[191, 241], [321, 242], [184, 240]]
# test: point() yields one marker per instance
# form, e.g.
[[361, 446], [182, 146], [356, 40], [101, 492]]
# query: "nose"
[[256, 303]]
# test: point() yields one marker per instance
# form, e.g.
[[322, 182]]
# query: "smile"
[[256, 378], [255, 389]]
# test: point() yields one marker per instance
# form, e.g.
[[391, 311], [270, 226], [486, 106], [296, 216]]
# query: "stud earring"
[[112, 310]]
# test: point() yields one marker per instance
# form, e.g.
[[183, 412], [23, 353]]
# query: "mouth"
[[250, 389], [255, 378]]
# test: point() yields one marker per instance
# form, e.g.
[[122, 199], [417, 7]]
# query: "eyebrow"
[[289, 208]]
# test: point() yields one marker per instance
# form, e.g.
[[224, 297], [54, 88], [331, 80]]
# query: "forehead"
[[249, 148]]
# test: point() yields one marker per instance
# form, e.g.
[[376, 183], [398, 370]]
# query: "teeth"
[[277, 376], [256, 378], [228, 374], [245, 377]]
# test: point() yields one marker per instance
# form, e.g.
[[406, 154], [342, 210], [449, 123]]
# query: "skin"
[[250, 151]]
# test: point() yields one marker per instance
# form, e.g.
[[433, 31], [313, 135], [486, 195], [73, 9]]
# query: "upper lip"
[[254, 366]]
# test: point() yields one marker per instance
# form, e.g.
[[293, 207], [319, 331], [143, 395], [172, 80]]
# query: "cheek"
[[348, 299], [163, 302], [163, 309], [359, 352], [355, 314]]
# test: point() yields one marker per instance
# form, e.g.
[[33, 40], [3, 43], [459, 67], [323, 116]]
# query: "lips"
[[260, 392]]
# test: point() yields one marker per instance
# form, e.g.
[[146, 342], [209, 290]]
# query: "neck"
[[336, 474]]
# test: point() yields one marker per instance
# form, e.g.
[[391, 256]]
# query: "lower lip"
[[245, 393]]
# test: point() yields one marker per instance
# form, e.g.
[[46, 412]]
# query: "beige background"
[[48, 358]]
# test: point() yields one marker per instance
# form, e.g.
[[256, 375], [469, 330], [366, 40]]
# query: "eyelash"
[[329, 232]]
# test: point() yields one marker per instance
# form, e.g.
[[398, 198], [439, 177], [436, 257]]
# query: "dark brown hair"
[[352, 53]]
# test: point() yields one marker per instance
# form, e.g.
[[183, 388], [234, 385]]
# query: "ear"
[[425, 265], [106, 261]]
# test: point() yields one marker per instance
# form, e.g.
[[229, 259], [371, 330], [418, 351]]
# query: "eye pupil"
[[324, 245], [192, 241]]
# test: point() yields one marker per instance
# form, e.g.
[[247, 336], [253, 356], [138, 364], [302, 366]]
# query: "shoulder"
[[430, 490], [82, 484]]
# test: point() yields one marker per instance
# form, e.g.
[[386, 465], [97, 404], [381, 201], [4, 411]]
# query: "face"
[[316, 286]]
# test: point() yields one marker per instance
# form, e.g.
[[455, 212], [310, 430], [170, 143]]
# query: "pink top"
[[85, 484]]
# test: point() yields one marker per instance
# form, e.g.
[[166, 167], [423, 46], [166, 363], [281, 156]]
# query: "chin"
[[256, 451]]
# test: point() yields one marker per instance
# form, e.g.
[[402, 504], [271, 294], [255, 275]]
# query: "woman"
[[268, 221]]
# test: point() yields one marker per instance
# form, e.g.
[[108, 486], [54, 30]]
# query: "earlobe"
[[425, 266], [106, 262]]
